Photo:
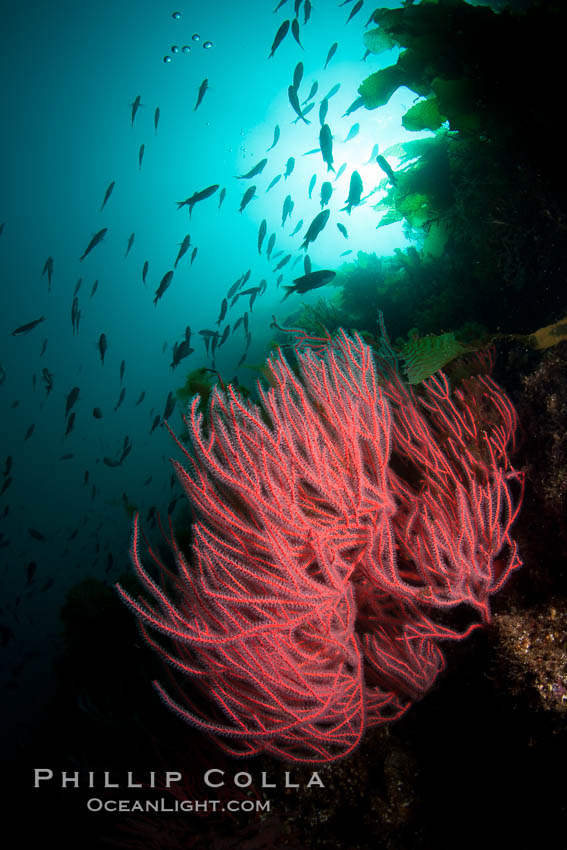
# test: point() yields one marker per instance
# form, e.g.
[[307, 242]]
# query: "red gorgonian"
[[335, 522]]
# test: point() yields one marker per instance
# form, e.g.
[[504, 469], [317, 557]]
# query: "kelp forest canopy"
[[482, 199]]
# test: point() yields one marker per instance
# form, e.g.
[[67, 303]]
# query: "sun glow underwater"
[[371, 134]]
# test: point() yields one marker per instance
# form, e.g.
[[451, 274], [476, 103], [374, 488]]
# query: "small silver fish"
[[331, 53], [373, 155], [274, 181], [295, 31], [48, 267], [326, 143], [326, 192], [276, 137], [202, 89], [290, 165], [183, 249], [315, 228], [261, 234], [107, 195], [354, 192], [352, 132], [312, 93], [24, 329], [135, 107], [280, 35], [257, 169], [98, 237], [165, 282], [294, 100], [130, 243], [354, 11], [247, 197]]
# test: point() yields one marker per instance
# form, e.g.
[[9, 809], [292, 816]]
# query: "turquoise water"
[[74, 72]]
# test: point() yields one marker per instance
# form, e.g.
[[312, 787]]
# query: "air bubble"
[[207, 45], [196, 36], [167, 59], [176, 15], [185, 48]]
